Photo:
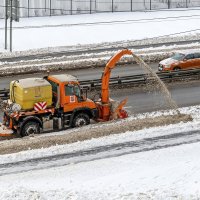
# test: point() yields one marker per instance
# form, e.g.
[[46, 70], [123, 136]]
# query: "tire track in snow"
[[102, 152]]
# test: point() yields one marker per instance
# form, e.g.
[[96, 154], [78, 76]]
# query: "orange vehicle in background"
[[180, 61]]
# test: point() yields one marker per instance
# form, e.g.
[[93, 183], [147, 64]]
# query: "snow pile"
[[110, 139], [88, 60]]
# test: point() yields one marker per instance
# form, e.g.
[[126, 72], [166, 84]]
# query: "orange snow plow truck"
[[55, 102]]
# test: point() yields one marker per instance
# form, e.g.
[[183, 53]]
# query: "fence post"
[[11, 18], [6, 22], [90, 6], [112, 6], [28, 8], [71, 7], [131, 5], [50, 8], [186, 4], [168, 4], [45, 5], [150, 5]]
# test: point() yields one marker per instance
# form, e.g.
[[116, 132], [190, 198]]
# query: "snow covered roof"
[[64, 77], [32, 82]]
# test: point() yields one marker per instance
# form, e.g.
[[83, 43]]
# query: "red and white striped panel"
[[40, 106]]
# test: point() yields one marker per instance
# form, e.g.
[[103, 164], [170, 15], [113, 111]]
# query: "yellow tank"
[[27, 92]]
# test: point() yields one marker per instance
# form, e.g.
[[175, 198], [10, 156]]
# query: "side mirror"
[[83, 97]]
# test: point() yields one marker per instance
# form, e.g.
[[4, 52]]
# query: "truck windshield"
[[178, 56]]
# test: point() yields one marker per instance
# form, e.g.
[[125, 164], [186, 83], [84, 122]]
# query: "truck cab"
[[68, 100], [67, 93]]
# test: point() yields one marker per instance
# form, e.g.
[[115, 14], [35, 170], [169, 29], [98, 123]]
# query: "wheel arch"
[[85, 110], [176, 67], [29, 119]]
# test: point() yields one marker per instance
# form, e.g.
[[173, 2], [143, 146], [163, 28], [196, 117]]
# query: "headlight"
[[167, 66]]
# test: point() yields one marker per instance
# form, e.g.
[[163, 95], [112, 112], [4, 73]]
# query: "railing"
[[34, 8], [142, 79], [133, 80], [4, 94]]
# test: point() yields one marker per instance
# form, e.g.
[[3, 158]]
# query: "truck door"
[[72, 97]]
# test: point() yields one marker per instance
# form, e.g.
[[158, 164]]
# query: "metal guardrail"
[[4, 94], [132, 80], [142, 79]]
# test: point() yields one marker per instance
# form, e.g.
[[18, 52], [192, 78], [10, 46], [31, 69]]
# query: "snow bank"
[[108, 140]]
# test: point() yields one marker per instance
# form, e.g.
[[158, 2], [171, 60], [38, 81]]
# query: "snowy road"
[[102, 152], [86, 50]]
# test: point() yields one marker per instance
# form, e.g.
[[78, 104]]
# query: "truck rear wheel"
[[30, 128], [81, 119]]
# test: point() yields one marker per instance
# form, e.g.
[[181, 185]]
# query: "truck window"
[[77, 91], [69, 91], [72, 90]]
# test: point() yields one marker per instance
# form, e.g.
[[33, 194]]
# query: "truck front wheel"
[[30, 128], [81, 119]]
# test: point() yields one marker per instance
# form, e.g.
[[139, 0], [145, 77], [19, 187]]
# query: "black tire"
[[30, 128], [81, 119], [177, 68]]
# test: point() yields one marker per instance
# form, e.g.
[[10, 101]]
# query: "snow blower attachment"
[[55, 102], [108, 109]]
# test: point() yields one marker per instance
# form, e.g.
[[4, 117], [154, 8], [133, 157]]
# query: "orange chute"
[[105, 107]]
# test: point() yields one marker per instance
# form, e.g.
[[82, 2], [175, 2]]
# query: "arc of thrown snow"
[[164, 89]]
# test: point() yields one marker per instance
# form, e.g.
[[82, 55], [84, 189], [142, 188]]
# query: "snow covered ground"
[[45, 32], [168, 173], [164, 174]]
